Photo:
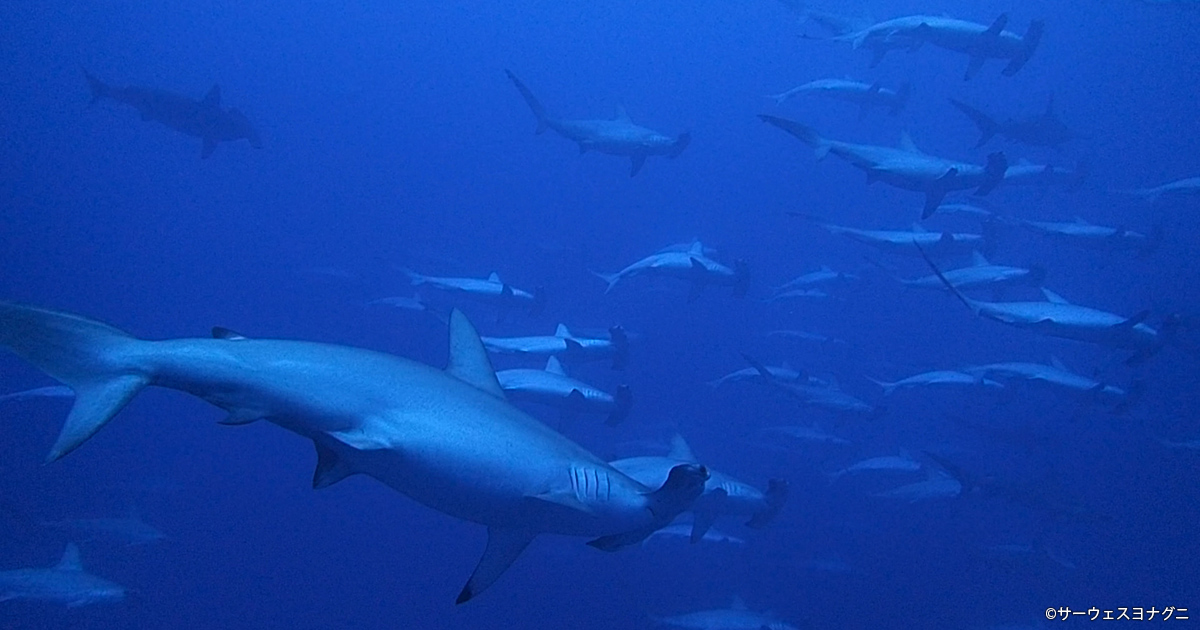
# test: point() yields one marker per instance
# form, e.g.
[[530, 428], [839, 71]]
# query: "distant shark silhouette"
[[204, 118], [64, 583], [446, 438]]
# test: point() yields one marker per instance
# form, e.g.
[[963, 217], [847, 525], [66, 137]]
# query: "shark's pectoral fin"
[[331, 468], [639, 161], [702, 523], [210, 145], [503, 547]]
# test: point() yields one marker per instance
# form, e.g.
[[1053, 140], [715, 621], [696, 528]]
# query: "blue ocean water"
[[392, 138]]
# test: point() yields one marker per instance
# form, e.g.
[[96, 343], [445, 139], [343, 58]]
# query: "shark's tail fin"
[[1029, 44], [802, 132], [680, 144], [91, 358], [98, 88], [531, 100], [414, 278], [611, 278], [624, 400], [776, 495], [620, 343], [988, 127], [901, 100], [888, 388]]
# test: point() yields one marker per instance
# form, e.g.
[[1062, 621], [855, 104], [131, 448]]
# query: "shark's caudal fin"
[[87, 356], [624, 401], [531, 100], [888, 388], [987, 126], [611, 278], [776, 495], [971, 304], [803, 133], [97, 87], [1029, 44], [684, 484]]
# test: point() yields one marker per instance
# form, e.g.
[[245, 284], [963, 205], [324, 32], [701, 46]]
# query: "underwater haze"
[[355, 153]]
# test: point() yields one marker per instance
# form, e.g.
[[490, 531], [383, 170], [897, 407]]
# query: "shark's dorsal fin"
[[737, 604], [622, 115], [503, 547], [213, 97], [978, 260], [680, 450], [561, 332], [907, 144], [1057, 363], [330, 468], [494, 277], [468, 360], [554, 367], [70, 559], [1053, 297], [696, 249], [826, 269]]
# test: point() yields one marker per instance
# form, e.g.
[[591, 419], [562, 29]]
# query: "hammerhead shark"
[[905, 166], [205, 118], [446, 438], [618, 136]]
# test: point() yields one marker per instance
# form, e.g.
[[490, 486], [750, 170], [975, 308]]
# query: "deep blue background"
[[393, 137]]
